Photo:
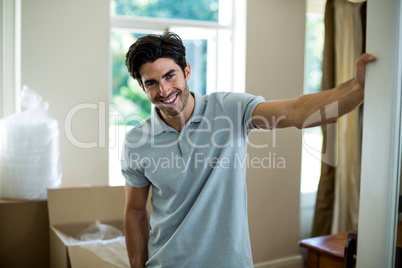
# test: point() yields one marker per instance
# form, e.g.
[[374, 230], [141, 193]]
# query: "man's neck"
[[178, 121]]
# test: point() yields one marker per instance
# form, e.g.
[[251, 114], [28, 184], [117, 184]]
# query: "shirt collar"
[[158, 125]]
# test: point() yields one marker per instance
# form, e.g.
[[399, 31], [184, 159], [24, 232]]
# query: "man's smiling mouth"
[[170, 100]]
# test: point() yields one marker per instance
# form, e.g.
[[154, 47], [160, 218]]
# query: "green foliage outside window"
[[206, 10]]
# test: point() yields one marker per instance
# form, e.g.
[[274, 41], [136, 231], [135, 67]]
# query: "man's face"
[[166, 85]]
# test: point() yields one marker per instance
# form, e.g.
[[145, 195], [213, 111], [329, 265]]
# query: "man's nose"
[[165, 89]]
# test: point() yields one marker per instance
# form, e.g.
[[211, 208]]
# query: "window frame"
[[10, 56]]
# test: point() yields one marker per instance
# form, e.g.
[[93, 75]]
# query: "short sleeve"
[[242, 105], [249, 108]]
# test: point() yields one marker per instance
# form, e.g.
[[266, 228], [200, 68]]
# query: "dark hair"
[[151, 47]]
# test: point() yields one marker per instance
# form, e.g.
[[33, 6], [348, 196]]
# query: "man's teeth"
[[170, 100]]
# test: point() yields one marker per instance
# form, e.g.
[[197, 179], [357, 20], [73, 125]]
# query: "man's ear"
[[187, 71]]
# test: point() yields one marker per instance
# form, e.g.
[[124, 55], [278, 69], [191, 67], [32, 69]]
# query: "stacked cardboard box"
[[24, 233]]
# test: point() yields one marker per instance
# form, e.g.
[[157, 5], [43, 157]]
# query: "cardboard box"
[[70, 211], [24, 233]]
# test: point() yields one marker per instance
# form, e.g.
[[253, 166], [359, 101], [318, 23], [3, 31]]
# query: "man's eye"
[[150, 84], [169, 76]]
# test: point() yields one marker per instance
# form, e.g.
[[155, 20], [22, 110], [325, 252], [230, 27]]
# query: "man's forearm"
[[136, 227], [325, 107], [311, 109]]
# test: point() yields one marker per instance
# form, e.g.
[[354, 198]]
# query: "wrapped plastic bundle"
[[105, 241], [29, 151]]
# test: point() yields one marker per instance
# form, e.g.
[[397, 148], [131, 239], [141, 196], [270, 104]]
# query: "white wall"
[[65, 57], [274, 69]]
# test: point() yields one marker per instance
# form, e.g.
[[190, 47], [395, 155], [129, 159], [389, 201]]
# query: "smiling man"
[[165, 83], [199, 216]]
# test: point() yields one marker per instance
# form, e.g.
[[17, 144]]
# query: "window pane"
[[313, 53], [196, 55], [207, 10], [312, 137]]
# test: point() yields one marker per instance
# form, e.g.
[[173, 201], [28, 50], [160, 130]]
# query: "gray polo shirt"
[[197, 176]]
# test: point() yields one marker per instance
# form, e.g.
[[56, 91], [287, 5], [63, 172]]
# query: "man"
[[190, 151]]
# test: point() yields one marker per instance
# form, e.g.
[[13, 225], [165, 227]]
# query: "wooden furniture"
[[349, 259], [339, 250], [325, 251]]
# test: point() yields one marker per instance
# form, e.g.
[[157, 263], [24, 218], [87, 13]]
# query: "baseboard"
[[295, 261]]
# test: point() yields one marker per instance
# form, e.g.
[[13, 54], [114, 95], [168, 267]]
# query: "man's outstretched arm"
[[314, 109], [136, 225]]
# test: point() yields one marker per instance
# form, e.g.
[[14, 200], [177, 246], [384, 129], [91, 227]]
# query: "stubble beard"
[[182, 100]]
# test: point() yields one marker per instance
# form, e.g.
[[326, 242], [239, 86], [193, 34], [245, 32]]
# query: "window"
[[214, 44], [312, 137]]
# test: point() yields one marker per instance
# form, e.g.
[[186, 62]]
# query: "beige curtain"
[[348, 47], [337, 205]]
